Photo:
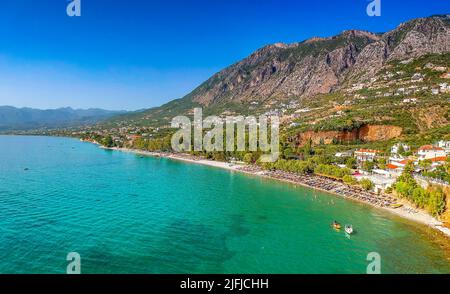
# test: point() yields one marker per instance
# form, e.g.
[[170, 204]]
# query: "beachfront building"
[[430, 152], [380, 179], [437, 161], [395, 167], [394, 170], [363, 155]]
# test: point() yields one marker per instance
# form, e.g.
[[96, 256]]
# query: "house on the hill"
[[344, 154], [395, 149], [430, 152], [394, 170], [437, 161], [363, 155], [445, 145]]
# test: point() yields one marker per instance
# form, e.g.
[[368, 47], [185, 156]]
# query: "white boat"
[[349, 229]]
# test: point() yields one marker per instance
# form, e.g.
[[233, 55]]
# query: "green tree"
[[436, 201], [248, 158], [140, 143], [419, 197], [219, 156], [308, 149], [367, 184], [349, 180], [108, 141], [287, 153], [368, 166], [381, 162], [425, 164], [403, 189], [407, 175], [350, 162]]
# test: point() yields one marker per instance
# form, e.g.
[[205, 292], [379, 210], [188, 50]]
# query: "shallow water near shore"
[[127, 214]]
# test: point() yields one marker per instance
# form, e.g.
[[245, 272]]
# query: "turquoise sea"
[[127, 214]]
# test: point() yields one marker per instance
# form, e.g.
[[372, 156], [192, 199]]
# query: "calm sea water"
[[127, 214]]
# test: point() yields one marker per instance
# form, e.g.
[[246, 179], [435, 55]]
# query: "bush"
[[107, 142], [419, 197], [368, 166], [350, 162], [219, 156], [436, 202], [332, 170], [367, 184], [248, 158], [349, 180], [405, 189]]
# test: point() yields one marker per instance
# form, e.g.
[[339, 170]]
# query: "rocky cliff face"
[[321, 65], [366, 133], [280, 70], [409, 40]]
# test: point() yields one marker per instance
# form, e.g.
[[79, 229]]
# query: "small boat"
[[349, 229], [396, 205], [336, 225]]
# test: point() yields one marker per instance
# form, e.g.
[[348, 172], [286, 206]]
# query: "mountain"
[[12, 118], [322, 65], [305, 70]]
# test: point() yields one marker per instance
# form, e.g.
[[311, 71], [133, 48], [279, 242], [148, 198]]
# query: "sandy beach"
[[407, 211]]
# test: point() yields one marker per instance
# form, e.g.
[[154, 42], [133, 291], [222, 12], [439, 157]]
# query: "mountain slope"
[[304, 70], [319, 66], [12, 118]]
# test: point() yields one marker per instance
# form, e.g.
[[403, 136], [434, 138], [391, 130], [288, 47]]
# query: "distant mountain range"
[[12, 118]]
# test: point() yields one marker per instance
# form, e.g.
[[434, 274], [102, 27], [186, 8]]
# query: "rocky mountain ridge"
[[322, 65]]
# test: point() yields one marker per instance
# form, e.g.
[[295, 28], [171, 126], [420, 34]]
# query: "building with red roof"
[[430, 152]]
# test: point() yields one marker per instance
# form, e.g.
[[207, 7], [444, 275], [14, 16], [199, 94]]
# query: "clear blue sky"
[[132, 54]]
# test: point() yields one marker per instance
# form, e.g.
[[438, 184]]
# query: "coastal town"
[[367, 175], [382, 140], [431, 162], [347, 143]]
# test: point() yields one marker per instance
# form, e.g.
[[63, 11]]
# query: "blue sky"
[[133, 54]]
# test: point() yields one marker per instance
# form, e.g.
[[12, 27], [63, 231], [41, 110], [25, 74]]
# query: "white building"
[[444, 145], [343, 154], [430, 152], [410, 100], [395, 167], [396, 147], [381, 182], [366, 154], [444, 88]]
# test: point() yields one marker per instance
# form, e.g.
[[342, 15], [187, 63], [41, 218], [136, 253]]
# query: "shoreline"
[[406, 211]]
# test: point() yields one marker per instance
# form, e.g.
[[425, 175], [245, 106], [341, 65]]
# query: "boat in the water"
[[336, 225], [348, 229]]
